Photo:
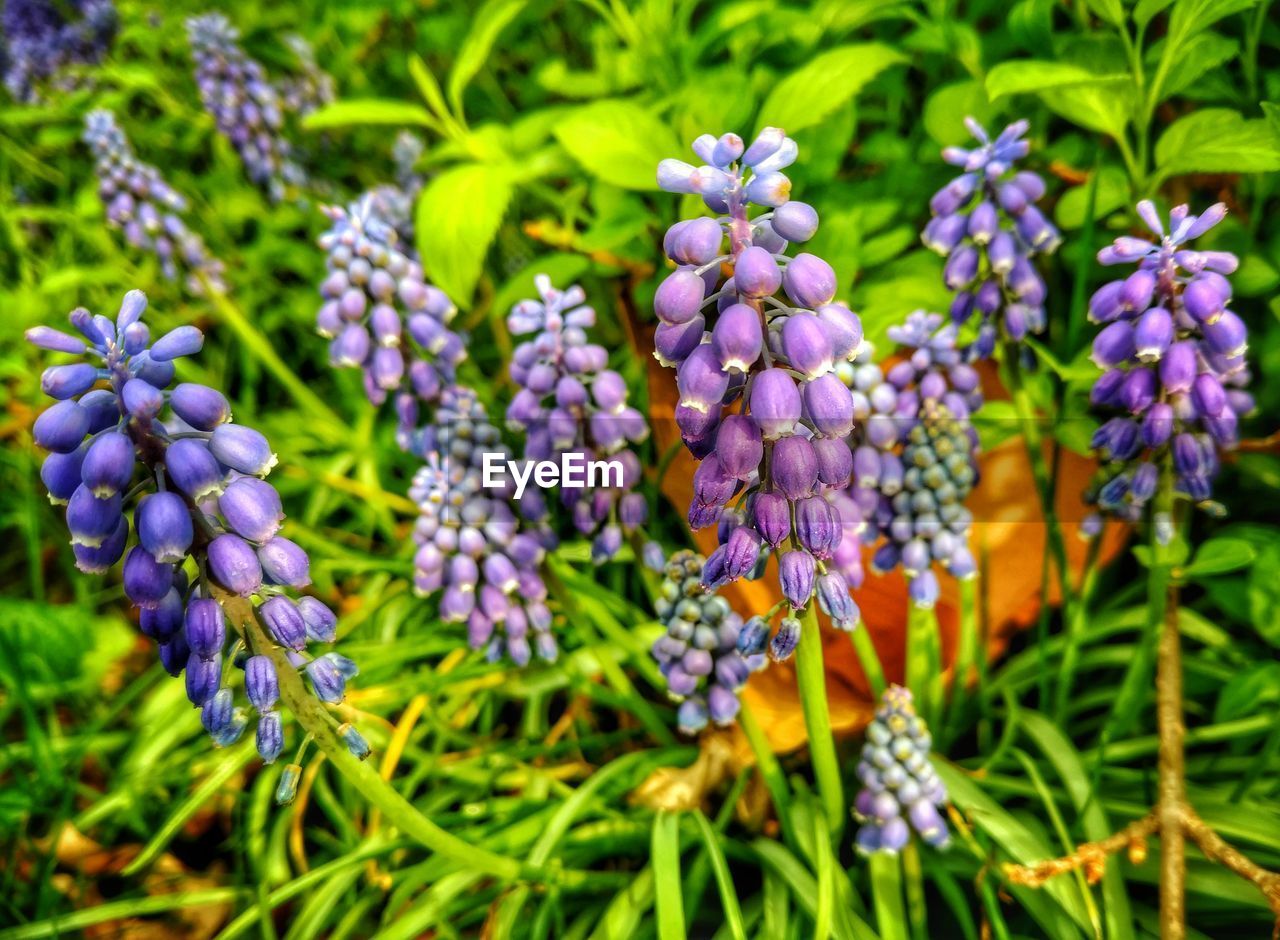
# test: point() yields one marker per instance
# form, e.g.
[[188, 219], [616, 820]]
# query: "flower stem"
[[1162, 610], [1030, 424], [812, 678], [396, 810]]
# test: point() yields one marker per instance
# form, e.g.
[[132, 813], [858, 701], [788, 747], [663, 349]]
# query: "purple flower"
[[1174, 358], [380, 314], [146, 210], [40, 43], [570, 402], [901, 792], [776, 337], [246, 107], [205, 529], [986, 225], [473, 548], [700, 655]]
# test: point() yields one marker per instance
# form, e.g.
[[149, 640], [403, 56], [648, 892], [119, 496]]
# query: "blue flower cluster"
[[920, 454], [206, 534], [470, 542], [570, 402], [245, 105], [985, 222], [382, 317], [699, 654], [760, 402], [145, 208], [900, 789], [1173, 356], [38, 42], [312, 88]]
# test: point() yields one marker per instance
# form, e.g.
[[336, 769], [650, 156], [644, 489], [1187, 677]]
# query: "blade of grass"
[[724, 878], [665, 852]]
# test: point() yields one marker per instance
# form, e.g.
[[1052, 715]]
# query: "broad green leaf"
[[428, 87], [946, 109], [813, 91], [356, 111], [487, 25], [1104, 108], [618, 141], [1264, 594], [1108, 10], [1217, 140], [458, 215], [1202, 53], [1218, 556], [1113, 192], [1032, 76]]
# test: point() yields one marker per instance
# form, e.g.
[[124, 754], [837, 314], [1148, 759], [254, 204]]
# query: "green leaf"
[[619, 141], [724, 877], [1201, 54], [1264, 594], [357, 111], [1113, 193], [886, 895], [813, 91], [666, 867], [1109, 11], [1216, 140], [1220, 555], [487, 25], [458, 215], [428, 87], [946, 109], [1032, 76], [1147, 10], [1104, 108]]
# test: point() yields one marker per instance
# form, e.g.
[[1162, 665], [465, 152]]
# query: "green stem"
[[966, 655], [811, 675], [869, 659], [396, 810], [775, 781], [1030, 423], [1075, 630]]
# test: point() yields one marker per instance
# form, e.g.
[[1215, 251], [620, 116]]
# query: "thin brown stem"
[[1217, 849], [1091, 856], [1171, 789]]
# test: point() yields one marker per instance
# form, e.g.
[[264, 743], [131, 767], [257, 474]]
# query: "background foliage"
[[544, 122]]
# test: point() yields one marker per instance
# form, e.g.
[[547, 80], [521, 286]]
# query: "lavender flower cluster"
[[900, 789], [245, 105], [985, 222], [699, 655], [470, 543], [206, 535], [145, 208], [39, 42], [918, 455], [1173, 356], [761, 404], [382, 316], [570, 402], [312, 88]]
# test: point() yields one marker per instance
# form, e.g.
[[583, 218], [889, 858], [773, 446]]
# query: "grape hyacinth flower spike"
[[382, 316], [901, 791], [571, 403], [1173, 358], [471, 547], [699, 654], [760, 404], [312, 88], [987, 225], [216, 584], [919, 454], [145, 208], [244, 104], [38, 43]]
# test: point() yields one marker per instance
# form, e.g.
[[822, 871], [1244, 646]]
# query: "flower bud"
[[679, 297], [795, 221], [192, 468], [783, 645], [700, 380], [809, 281], [739, 448], [242, 449], [737, 338], [107, 466], [818, 526], [234, 564], [203, 678], [828, 404], [775, 403], [205, 628], [835, 461], [320, 621], [284, 562], [201, 407], [146, 581], [164, 527], [61, 427], [252, 508], [756, 273]]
